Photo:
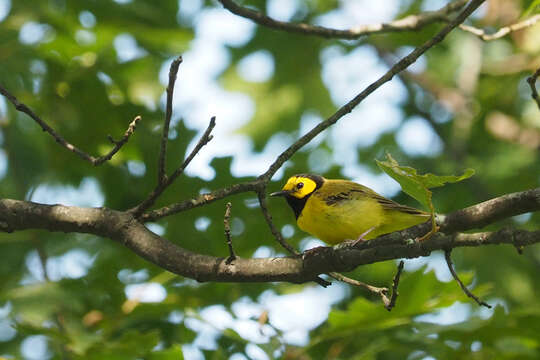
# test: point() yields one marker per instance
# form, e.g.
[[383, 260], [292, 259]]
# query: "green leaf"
[[416, 185]]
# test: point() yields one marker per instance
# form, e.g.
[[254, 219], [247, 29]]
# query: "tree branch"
[[173, 71], [123, 227], [379, 291], [490, 211], [63, 142], [408, 23], [395, 283], [458, 280], [200, 200], [481, 33]]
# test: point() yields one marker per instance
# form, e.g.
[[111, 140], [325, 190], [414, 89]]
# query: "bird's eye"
[[299, 186]]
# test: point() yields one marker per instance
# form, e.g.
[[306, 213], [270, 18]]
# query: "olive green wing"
[[336, 192]]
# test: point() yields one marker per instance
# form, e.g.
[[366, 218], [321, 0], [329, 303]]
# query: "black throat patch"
[[297, 204]]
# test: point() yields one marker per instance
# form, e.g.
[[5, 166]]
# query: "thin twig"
[[481, 33], [118, 144], [198, 201], [261, 194], [273, 229], [347, 108], [395, 284], [532, 83], [227, 225], [408, 23], [160, 187], [173, 71], [63, 142], [380, 291], [463, 287]]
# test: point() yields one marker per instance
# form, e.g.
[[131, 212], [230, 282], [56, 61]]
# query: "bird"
[[338, 211]]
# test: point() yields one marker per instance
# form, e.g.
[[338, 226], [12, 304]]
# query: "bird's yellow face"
[[299, 186]]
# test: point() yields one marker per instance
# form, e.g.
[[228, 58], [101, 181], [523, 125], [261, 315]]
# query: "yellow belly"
[[350, 219]]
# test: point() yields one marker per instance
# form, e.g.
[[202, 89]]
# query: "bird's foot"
[[428, 235], [313, 251]]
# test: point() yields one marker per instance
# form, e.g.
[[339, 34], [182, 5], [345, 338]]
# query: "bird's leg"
[[428, 235], [434, 229], [361, 237], [353, 243]]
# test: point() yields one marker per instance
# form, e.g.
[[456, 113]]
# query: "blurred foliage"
[[471, 94]]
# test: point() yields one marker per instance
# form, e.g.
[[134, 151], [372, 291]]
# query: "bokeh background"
[[89, 67]]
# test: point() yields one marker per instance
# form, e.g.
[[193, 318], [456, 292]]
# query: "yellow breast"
[[343, 221]]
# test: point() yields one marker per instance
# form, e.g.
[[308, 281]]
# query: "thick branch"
[[487, 212], [63, 142], [347, 108], [123, 227], [481, 33], [408, 23]]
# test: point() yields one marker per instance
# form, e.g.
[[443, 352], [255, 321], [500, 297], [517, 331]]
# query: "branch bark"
[[124, 228]]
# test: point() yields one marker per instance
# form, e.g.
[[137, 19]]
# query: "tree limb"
[[408, 23], [63, 142], [18, 215]]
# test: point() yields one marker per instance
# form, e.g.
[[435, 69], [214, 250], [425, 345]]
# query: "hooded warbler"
[[339, 210]]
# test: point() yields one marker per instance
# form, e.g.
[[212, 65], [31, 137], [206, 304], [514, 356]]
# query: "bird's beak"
[[281, 193]]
